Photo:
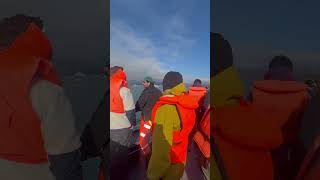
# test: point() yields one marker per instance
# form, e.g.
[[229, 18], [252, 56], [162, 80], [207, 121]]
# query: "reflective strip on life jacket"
[[142, 134], [147, 126], [145, 132]]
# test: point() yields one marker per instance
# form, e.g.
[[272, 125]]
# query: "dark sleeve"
[[66, 166], [310, 127], [207, 99], [96, 133], [141, 101], [88, 147], [131, 115]]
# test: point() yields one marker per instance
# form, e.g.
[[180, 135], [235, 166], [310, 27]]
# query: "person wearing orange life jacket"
[[279, 90], [242, 133], [173, 118], [122, 119], [198, 161], [145, 103], [198, 91], [37, 128]]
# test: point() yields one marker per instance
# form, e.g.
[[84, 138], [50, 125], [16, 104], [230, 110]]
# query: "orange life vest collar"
[[198, 92], [275, 86], [194, 88]]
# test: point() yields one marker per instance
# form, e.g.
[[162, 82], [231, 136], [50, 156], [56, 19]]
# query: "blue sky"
[[258, 30], [153, 37]]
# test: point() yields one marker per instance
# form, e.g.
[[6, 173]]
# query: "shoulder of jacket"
[[46, 88], [124, 90]]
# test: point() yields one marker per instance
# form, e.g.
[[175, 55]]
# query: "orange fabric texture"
[[244, 137], [186, 106], [117, 81], [202, 135], [198, 92], [287, 96], [20, 128]]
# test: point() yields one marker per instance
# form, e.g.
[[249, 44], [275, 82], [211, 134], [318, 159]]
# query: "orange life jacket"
[[289, 96], [244, 138], [20, 127], [145, 129], [202, 135], [117, 81], [198, 92], [186, 106]]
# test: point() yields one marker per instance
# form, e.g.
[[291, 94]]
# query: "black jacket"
[[147, 100], [96, 135]]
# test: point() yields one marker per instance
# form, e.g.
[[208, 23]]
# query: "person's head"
[[147, 82], [12, 27], [197, 83], [280, 68], [221, 56], [115, 69], [281, 61], [171, 80]]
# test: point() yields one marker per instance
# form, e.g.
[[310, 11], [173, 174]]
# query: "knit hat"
[[149, 79], [171, 79]]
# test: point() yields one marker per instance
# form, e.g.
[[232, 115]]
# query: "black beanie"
[[171, 79], [221, 54]]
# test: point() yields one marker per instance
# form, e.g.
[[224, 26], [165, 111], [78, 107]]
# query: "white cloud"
[[134, 53], [138, 54], [175, 34]]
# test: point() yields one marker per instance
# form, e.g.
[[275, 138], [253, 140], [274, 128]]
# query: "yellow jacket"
[[166, 121], [223, 86]]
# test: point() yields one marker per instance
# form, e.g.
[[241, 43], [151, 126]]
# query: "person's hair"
[[221, 55], [281, 61], [11, 27], [197, 82], [114, 69]]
